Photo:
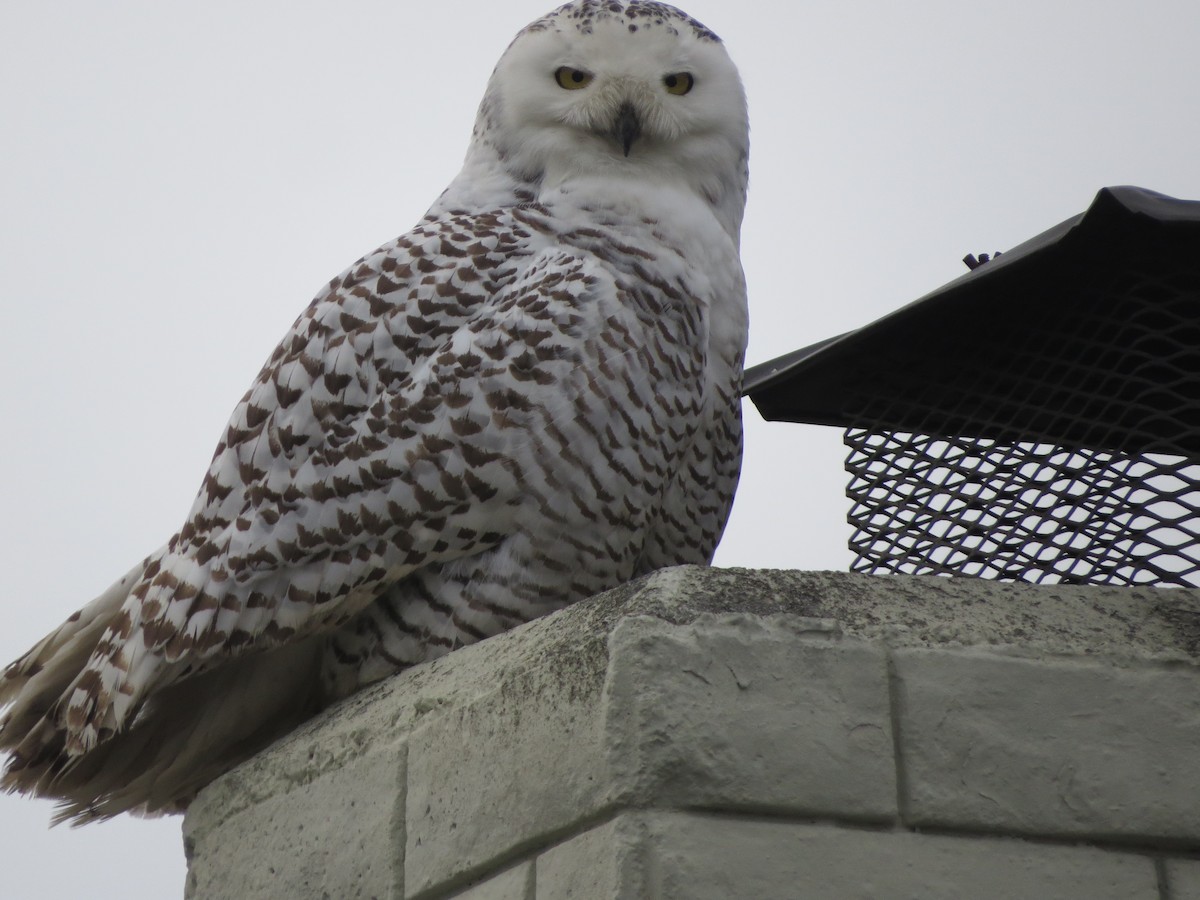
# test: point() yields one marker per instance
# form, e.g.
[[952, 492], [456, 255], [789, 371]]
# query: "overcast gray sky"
[[178, 179]]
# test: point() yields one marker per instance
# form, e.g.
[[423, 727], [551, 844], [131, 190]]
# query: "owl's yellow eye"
[[679, 83], [572, 79]]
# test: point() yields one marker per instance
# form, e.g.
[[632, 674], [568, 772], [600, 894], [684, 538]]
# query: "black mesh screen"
[[1034, 512]]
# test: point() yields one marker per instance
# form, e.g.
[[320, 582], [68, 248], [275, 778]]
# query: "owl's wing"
[[388, 431]]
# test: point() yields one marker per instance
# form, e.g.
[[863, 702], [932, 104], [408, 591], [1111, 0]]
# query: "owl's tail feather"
[[37, 679], [169, 753], [158, 762]]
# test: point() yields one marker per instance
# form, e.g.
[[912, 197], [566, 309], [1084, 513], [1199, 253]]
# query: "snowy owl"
[[531, 397]]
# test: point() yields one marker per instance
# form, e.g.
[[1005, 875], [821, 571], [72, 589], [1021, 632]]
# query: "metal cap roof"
[[1086, 335]]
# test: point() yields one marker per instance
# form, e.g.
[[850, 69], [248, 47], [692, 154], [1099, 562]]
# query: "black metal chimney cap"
[[1086, 335]]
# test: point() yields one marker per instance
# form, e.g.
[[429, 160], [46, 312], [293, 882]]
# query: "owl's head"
[[633, 89]]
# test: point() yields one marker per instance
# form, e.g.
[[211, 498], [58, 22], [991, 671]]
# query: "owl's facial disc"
[[634, 91]]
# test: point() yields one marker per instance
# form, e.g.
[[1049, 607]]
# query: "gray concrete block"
[[1058, 746], [779, 714], [716, 858], [1183, 879], [339, 835], [516, 883], [600, 863], [742, 712], [502, 772]]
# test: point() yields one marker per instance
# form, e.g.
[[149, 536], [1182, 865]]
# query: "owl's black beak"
[[626, 127]]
